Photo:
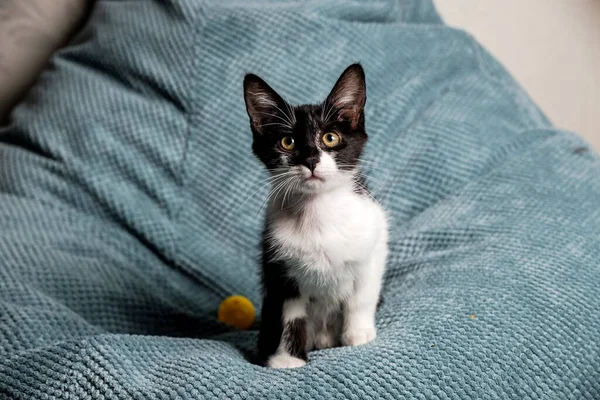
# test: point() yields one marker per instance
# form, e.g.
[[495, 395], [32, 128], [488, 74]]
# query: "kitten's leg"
[[327, 323], [271, 326], [324, 338], [291, 352], [282, 337], [359, 313]]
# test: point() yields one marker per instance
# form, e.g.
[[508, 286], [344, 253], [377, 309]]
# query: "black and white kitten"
[[325, 238]]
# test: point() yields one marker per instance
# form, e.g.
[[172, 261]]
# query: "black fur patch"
[[277, 288], [294, 338]]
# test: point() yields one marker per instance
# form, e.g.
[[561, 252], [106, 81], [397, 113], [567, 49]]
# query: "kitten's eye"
[[287, 143], [331, 139]]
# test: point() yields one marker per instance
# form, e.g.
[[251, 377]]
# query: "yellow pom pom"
[[237, 311]]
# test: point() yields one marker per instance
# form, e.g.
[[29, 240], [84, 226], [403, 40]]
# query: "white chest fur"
[[328, 240]]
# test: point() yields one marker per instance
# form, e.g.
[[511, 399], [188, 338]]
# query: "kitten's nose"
[[311, 163]]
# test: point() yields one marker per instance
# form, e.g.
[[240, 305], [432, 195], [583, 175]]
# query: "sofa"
[[130, 209]]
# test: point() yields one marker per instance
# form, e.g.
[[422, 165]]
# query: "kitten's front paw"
[[356, 337], [285, 361]]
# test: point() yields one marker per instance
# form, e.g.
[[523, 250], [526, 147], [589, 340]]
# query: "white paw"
[[356, 337], [285, 361], [324, 340]]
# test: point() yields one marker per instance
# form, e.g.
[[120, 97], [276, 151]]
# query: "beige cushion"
[[30, 31]]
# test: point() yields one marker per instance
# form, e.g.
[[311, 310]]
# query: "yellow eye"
[[287, 143], [331, 139]]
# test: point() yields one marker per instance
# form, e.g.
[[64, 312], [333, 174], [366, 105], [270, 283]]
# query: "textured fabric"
[[130, 207]]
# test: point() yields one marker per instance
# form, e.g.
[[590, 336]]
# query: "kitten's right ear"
[[263, 104]]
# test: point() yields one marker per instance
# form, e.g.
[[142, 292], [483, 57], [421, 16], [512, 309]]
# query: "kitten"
[[325, 238]]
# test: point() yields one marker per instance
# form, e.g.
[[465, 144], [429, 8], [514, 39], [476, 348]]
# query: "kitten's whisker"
[[285, 190], [280, 188], [368, 193], [326, 119], [369, 179], [272, 194], [287, 127], [370, 167], [333, 108], [272, 175], [270, 181], [366, 162], [267, 181], [284, 114], [298, 183], [264, 203], [292, 187], [251, 196], [279, 169], [327, 109], [285, 121], [291, 110], [289, 186], [382, 186]]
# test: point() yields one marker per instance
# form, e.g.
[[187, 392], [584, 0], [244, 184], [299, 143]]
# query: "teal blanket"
[[130, 207]]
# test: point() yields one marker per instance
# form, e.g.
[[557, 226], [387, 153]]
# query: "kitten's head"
[[313, 148]]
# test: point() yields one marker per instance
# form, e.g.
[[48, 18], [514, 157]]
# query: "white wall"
[[552, 47]]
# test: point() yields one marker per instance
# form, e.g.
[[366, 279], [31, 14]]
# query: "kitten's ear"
[[349, 95], [263, 104]]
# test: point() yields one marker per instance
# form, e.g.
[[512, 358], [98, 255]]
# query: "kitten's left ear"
[[349, 95]]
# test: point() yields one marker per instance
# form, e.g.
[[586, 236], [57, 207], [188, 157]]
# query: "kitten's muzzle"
[[311, 175]]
